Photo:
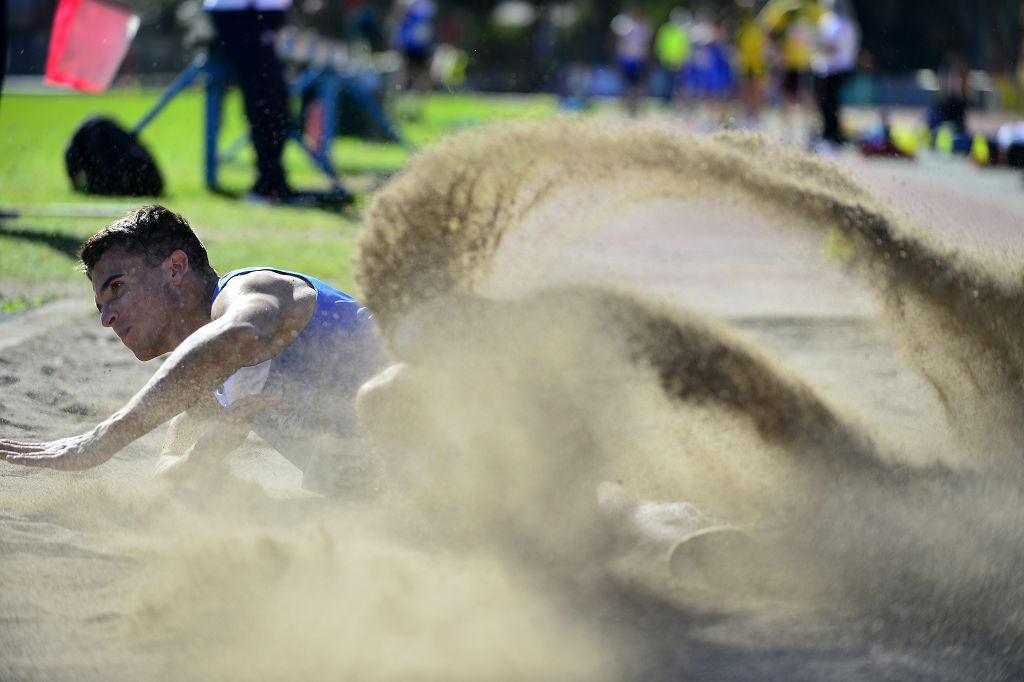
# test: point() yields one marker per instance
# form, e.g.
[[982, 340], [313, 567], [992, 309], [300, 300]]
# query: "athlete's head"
[[151, 278], [153, 232]]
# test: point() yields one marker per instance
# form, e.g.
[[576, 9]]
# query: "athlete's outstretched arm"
[[253, 321]]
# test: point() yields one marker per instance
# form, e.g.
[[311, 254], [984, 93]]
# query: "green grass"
[[22, 303], [34, 129]]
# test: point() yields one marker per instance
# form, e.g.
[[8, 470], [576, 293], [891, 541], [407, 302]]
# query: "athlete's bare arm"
[[201, 438], [253, 319]]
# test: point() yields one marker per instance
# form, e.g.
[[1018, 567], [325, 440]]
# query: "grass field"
[[37, 251]]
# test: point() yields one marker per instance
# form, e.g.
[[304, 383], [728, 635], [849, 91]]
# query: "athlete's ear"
[[176, 265]]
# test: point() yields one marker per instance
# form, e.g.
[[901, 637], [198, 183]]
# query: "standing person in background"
[[3, 43], [950, 104], [793, 25], [367, 27], [834, 62], [412, 23], [709, 74], [752, 59], [632, 35], [3, 61], [672, 48], [246, 30]]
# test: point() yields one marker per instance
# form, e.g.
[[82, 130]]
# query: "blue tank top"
[[316, 376], [416, 31]]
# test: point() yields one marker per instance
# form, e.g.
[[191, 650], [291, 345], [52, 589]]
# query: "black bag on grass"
[[103, 158]]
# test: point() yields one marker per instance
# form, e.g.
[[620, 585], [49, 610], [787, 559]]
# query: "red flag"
[[88, 42]]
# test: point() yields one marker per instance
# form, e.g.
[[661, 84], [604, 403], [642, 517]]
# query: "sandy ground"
[[69, 606]]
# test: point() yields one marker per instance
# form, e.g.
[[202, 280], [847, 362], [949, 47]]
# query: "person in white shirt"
[[834, 62], [632, 35], [246, 30]]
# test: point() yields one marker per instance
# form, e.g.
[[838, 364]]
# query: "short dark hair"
[[152, 231]]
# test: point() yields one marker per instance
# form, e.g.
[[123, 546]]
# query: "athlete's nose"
[[108, 315]]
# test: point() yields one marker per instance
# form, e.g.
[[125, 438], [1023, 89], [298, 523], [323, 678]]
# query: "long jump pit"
[[826, 356]]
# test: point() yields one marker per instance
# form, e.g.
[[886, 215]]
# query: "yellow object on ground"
[[944, 140], [905, 139], [924, 136], [980, 150]]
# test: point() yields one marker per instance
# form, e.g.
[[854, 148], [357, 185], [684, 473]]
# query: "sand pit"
[[693, 322]]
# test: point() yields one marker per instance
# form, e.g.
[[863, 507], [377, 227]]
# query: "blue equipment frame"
[[324, 83]]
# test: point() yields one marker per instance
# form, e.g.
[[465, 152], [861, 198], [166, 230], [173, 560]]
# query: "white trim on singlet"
[[245, 382]]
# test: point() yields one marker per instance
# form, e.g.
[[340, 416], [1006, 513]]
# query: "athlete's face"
[[137, 300]]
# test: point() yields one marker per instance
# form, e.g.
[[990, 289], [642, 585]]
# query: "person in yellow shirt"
[[794, 25], [752, 61]]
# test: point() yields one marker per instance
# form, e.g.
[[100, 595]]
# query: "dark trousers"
[[949, 109], [246, 38], [827, 91], [3, 42]]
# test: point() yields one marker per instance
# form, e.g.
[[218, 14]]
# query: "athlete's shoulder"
[[283, 287]]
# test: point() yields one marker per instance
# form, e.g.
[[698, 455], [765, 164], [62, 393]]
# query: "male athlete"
[[260, 349]]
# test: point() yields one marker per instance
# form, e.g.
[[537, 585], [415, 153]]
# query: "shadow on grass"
[[58, 242], [337, 202]]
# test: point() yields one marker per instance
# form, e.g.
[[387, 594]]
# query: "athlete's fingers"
[[12, 447], [63, 461], [39, 461]]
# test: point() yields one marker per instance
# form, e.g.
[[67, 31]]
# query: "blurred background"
[[370, 82], [518, 46]]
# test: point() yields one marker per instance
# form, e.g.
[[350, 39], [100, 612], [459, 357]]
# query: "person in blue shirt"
[[259, 349], [413, 22], [632, 35]]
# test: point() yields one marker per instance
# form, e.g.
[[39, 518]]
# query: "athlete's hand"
[[210, 449], [69, 454], [204, 457]]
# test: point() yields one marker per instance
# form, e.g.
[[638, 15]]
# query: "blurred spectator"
[[412, 25], [793, 26], [3, 44], [367, 27], [752, 61], [708, 76], [3, 60], [1009, 144], [672, 48], [245, 33], [950, 106], [29, 23], [574, 87], [834, 62], [632, 36], [544, 41]]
